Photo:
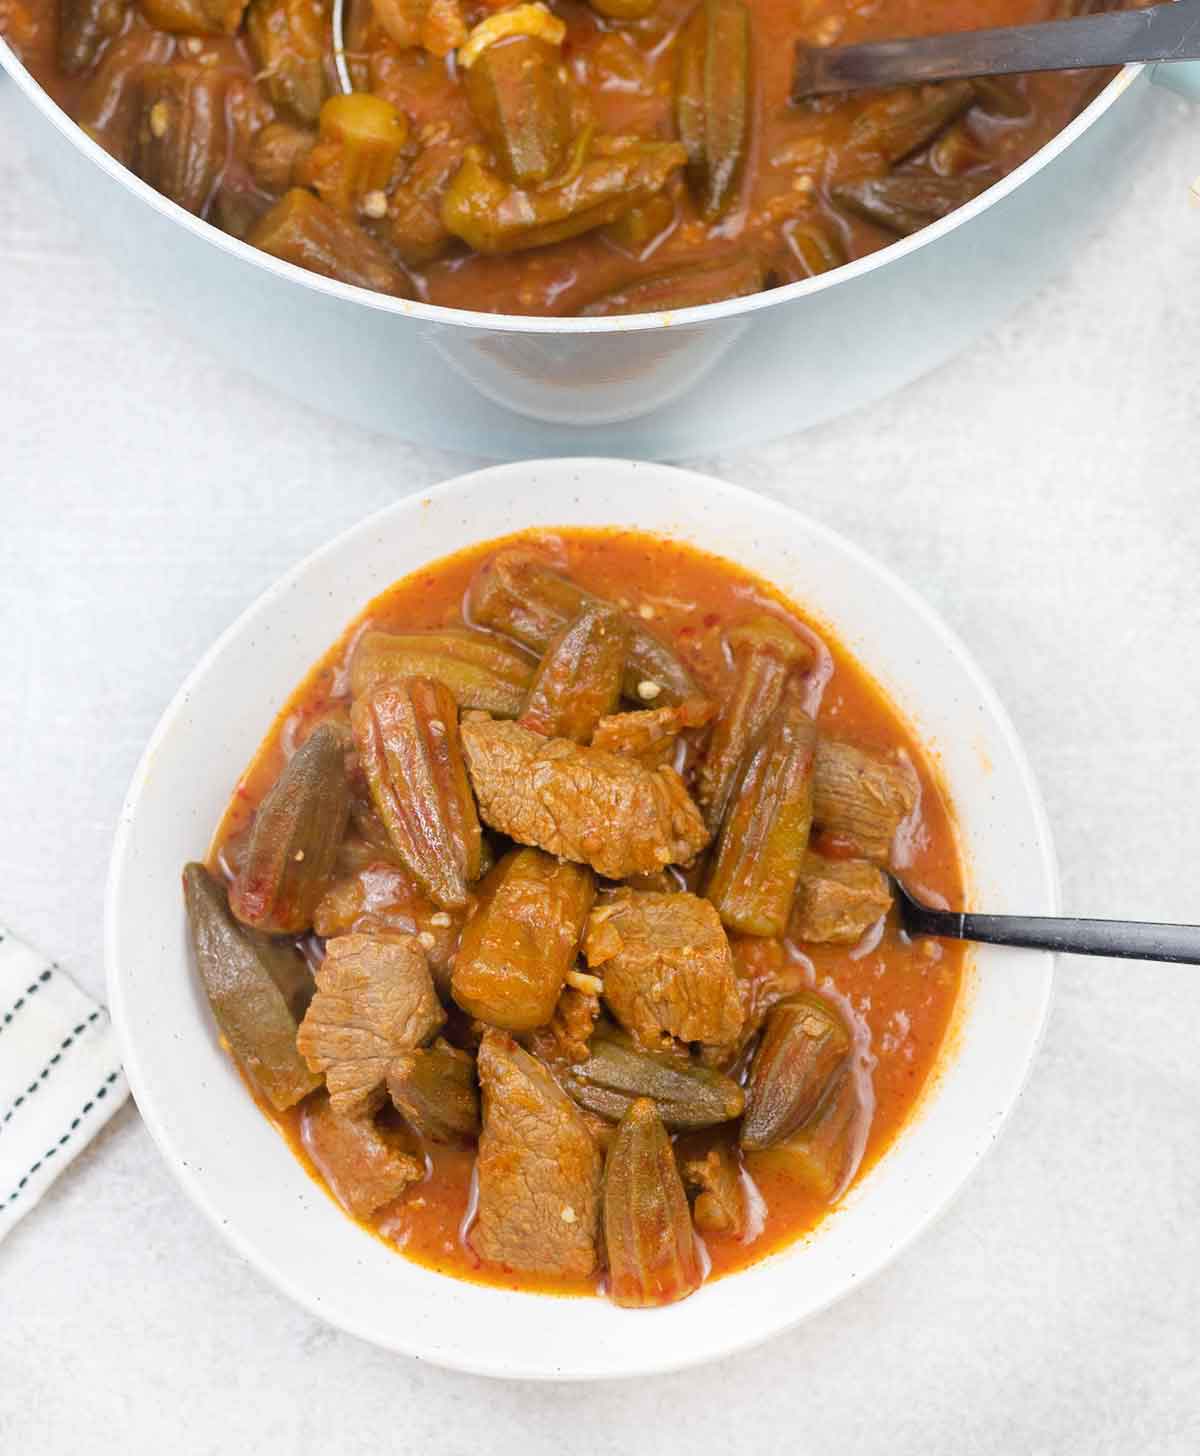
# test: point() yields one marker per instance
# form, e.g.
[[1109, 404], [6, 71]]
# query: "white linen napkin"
[[60, 1075]]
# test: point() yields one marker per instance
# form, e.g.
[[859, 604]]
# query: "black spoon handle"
[[1129, 939], [1168, 32]]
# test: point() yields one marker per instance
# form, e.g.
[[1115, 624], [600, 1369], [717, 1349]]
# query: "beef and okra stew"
[[586, 157], [550, 923]]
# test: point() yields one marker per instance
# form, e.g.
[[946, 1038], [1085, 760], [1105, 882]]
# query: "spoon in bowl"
[[1169, 32], [1128, 939]]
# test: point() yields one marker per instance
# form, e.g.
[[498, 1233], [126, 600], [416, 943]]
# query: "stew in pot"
[[550, 923], [610, 157]]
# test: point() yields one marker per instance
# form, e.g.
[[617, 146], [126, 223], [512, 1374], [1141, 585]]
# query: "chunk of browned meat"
[[363, 1164], [539, 1169], [837, 899], [579, 803], [651, 733], [710, 1166], [381, 896], [564, 1039], [862, 797], [667, 967], [257, 989], [375, 998]]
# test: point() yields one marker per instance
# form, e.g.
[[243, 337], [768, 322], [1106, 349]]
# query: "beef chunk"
[[668, 971], [382, 896], [434, 1091], [862, 797], [539, 1169], [582, 804], [710, 1167], [837, 899], [375, 998], [364, 1165]]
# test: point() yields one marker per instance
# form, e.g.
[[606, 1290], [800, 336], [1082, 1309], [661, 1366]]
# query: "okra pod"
[[766, 828], [765, 652], [653, 1258], [578, 681], [804, 1042], [301, 229], [712, 102], [249, 982], [684, 1093], [409, 747], [518, 93], [480, 669], [681, 288], [294, 840], [519, 593]]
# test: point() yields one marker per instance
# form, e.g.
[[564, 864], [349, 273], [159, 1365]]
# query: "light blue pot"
[[657, 385]]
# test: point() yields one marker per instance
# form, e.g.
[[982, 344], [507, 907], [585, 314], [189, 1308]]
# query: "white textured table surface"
[[1041, 491]]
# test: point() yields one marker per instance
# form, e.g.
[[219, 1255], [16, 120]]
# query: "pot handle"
[[1182, 77]]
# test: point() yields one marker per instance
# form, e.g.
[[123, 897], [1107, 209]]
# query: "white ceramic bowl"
[[231, 1161]]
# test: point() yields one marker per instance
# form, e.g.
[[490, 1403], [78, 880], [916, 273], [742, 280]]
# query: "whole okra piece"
[[681, 288], [409, 747], [819, 1155], [685, 1094], [519, 593], [765, 652], [897, 124], [578, 681], [712, 102], [518, 93], [251, 985], [289, 859], [302, 229], [652, 1254], [804, 1042], [906, 202], [765, 831], [480, 669], [287, 41]]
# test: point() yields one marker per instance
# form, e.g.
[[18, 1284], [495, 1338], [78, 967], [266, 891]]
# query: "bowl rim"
[[531, 324], [498, 1367]]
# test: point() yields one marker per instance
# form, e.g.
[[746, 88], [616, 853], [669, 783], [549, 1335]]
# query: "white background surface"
[[1041, 491]]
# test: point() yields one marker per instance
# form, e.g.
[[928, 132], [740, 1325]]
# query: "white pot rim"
[[521, 324], [656, 1342]]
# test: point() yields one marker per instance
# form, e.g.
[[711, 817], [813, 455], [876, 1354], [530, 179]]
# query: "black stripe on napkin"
[[96, 1096], [25, 995], [69, 1041]]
